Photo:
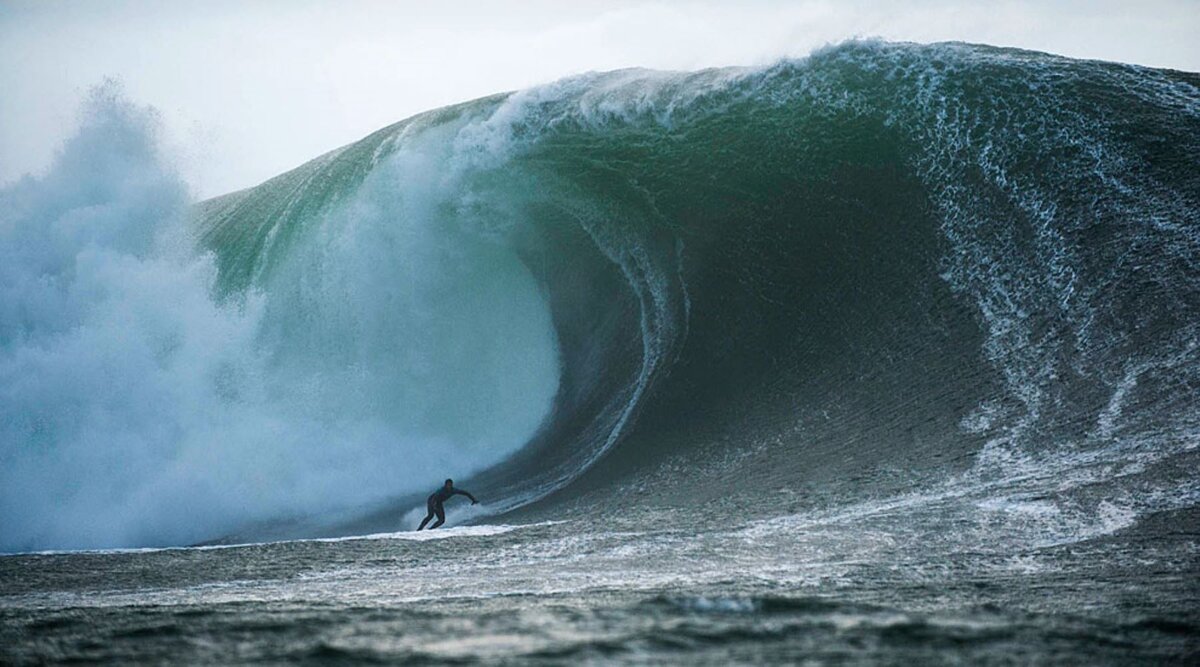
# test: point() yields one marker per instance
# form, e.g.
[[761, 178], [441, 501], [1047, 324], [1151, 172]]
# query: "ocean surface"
[[886, 355]]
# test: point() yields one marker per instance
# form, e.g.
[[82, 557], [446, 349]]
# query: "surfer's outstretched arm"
[[467, 494]]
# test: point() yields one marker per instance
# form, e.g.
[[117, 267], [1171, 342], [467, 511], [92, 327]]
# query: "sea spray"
[[142, 405]]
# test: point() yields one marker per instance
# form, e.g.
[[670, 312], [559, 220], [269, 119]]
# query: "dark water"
[[886, 355], [829, 590]]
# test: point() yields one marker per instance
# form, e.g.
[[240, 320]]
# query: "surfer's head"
[[449, 483]]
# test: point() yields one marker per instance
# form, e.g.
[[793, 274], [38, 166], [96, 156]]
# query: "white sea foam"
[[447, 532]]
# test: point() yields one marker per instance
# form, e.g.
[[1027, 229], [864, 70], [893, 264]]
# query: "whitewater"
[[886, 354]]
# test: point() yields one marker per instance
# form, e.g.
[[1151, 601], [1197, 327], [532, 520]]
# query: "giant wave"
[[904, 259]]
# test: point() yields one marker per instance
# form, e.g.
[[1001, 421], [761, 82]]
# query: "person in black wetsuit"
[[435, 503]]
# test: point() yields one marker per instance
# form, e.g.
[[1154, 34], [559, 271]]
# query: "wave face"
[[882, 256]]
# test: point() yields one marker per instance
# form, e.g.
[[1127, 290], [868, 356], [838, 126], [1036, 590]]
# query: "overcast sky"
[[250, 89]]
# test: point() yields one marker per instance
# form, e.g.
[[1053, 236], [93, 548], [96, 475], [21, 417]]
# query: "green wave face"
[[387, 301]]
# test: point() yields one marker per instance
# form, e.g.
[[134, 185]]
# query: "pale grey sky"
[[250, 89]]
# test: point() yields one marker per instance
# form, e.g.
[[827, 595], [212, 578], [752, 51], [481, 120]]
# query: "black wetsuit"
[[434, 504]]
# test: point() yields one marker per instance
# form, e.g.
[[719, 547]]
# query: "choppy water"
[[646, 588]]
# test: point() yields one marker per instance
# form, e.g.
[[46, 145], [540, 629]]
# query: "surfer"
[[434, 504]]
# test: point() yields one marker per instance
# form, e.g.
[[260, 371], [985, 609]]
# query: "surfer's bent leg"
[[441, 515], [432, 510]]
